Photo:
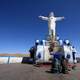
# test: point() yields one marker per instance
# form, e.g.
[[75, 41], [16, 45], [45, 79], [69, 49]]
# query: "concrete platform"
[[30, 72]]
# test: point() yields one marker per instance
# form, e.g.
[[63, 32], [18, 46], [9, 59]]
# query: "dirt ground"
[[30, 72]]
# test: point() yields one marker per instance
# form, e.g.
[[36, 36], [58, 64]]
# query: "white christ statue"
[[51, 22]]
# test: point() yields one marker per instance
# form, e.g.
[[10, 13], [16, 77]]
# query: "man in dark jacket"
[[58, 62]]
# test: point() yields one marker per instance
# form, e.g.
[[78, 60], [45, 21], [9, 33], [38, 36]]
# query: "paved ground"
[[29, 72]]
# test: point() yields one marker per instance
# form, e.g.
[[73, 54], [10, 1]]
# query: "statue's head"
[[61, 42], [67, 42], [37, 42], [51, 14]]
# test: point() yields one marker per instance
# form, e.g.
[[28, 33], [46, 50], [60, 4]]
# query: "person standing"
[[73, 53], [33, 54], [57, 61]]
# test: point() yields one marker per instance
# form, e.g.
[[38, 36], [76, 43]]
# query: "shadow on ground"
[[27, 60]]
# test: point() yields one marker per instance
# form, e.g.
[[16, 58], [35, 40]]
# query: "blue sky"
[[20, 25]]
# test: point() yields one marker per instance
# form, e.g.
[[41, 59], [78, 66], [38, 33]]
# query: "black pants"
[[56, 65]]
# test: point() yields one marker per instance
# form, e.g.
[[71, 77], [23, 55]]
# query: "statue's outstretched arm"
[[43, 18], [59, 18]]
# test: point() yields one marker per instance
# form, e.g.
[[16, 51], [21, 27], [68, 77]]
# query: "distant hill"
[[15, 55]]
